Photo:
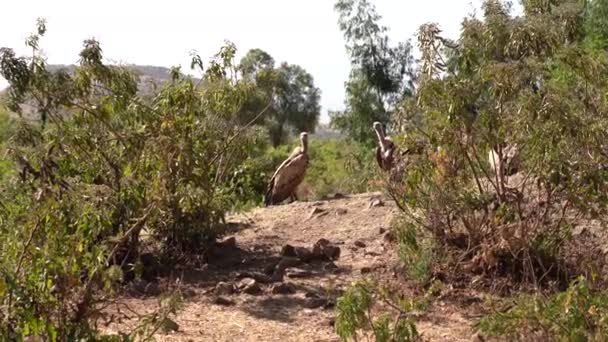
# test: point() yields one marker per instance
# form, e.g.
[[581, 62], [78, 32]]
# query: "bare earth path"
[[298, 307]]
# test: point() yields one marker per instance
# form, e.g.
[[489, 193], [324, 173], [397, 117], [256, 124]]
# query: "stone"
[[330, 267], [229, 242], [381, 230], [341, 211], [376, 203], [283, 288], [389, 237], [152, 289], [219, 300], [223, 288], [315, 211], [303, 254], [169, 325], [288, 251], [315, 302], [249, 286], [360, 244], [298, 273], [324, 249]]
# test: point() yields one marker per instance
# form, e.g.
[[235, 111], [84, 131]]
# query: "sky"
[[154, 32]]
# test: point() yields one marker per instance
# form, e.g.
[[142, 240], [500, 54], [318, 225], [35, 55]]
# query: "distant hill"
[[150, 76]]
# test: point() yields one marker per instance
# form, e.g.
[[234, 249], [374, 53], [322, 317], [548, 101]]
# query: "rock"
[[223, 288], [288, 262], [360, 244], [365, 270], [376, 203], [249, 286], [151, 266], [315, 211], [257, 276], [303, 254], [288, 251], [298, 273], [332, 322], [269, 269], [152, 289], [219, 300], [331, 267], [169, 325], [279, 271], [578, 230], [229, 243], [324, 249], [389, 237], [188, 293], [283, 288], [315, 302], [381, 230]]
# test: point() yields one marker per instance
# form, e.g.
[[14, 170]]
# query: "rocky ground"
[[276, 277]]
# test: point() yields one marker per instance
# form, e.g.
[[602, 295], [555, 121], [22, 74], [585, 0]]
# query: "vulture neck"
[[304, 144], [381, 140]]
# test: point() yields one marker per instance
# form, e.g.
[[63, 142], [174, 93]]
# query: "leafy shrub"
[[6, 126], [578, 314], [417, 253], [529, 82], [101, 165], [356, 311]]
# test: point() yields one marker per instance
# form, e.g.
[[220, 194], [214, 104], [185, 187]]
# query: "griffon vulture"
[[385, 150], [509, 165], [289, 174]]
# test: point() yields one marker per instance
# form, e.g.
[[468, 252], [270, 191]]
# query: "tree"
[[381, 73], [291, 91]]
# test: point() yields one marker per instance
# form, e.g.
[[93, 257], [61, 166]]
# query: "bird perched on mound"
[[385, 150], [289, 174], [510, 162]]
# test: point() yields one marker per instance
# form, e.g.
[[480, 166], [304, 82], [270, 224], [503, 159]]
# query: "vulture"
[[509, 165], [288, 175], [385, 150]]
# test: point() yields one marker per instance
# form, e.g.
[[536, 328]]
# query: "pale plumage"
[[509, 165], [289, 174], [385, 150]]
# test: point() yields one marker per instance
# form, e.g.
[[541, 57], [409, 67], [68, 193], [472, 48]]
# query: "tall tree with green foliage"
[[381, 76], [290, 89]]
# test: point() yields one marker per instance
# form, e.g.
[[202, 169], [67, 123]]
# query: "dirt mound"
[[279, 273]]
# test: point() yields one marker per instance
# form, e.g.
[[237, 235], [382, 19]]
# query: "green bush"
[[101, 165], [6, 128], [578, 314], [523, 81], [366, 306]]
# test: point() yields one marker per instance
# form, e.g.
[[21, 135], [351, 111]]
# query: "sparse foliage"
[[381, 76], [100, 166], [529, 82]]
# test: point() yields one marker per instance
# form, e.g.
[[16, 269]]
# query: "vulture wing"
[[287, 177]]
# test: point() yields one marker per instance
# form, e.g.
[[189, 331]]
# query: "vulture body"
[[509, 165], [289, 174], [385, 150]]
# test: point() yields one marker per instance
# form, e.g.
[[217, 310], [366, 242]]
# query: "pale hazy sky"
[[156, 32]]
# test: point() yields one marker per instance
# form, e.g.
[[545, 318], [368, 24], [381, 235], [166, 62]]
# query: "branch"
[[241, 129]]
